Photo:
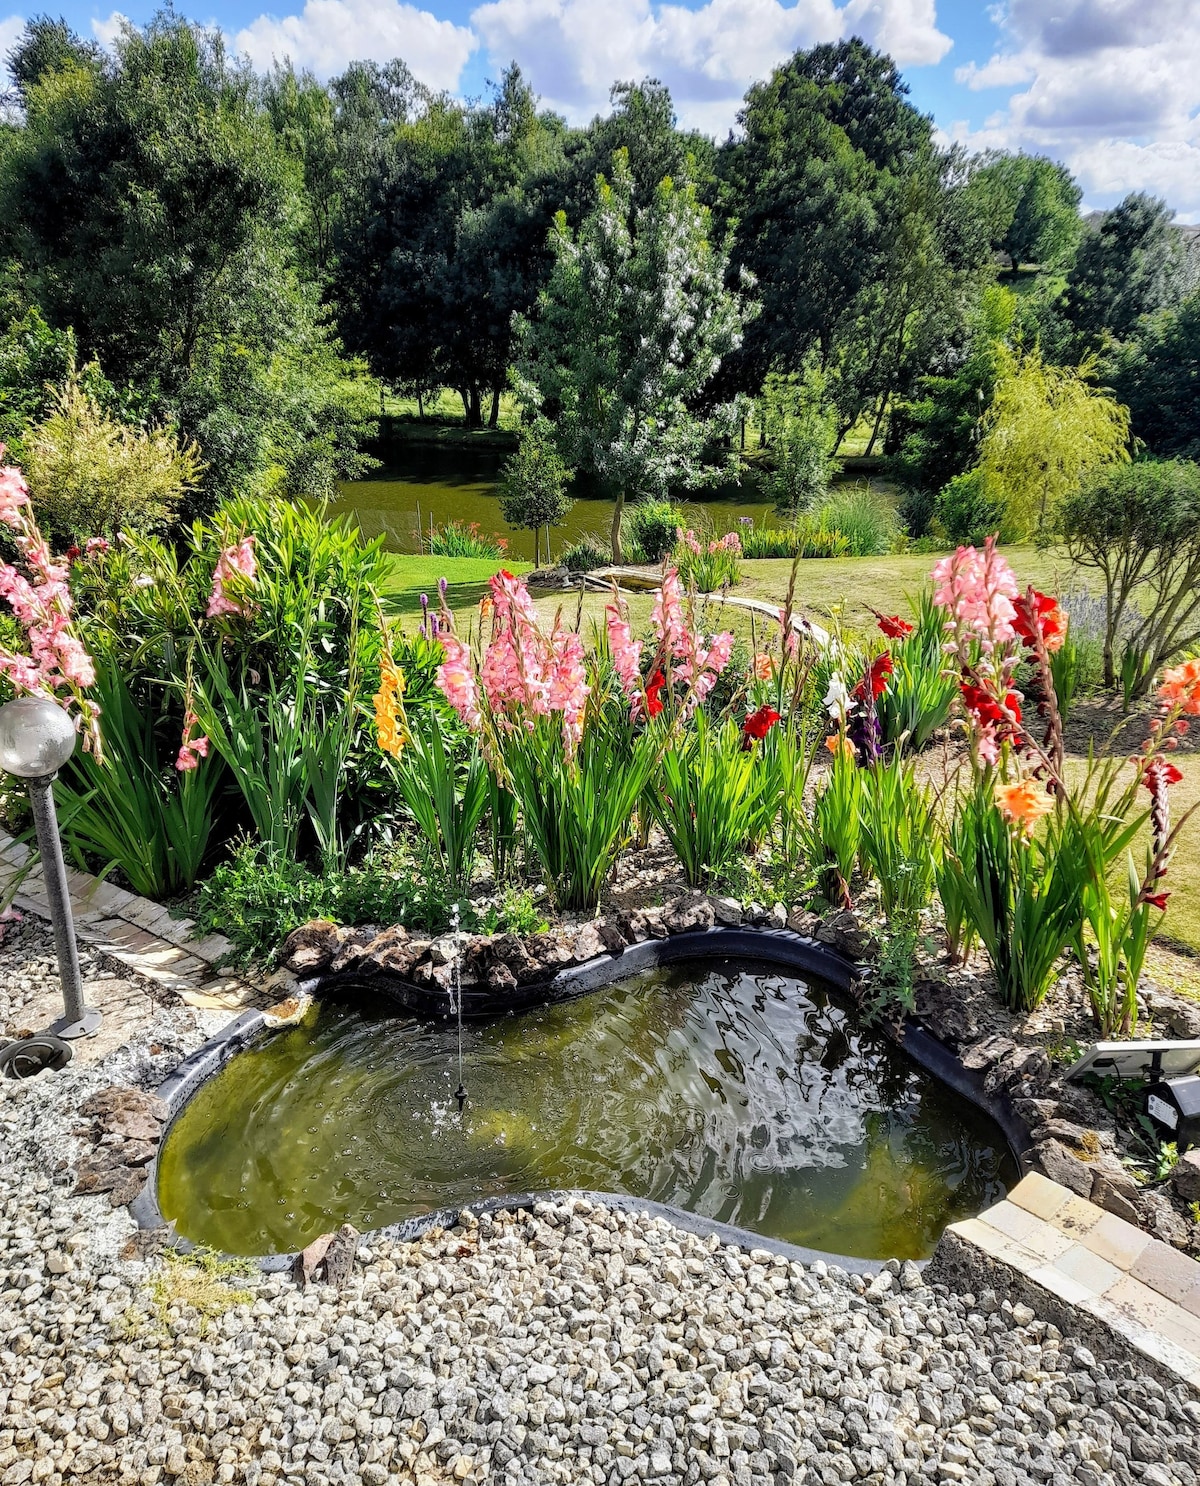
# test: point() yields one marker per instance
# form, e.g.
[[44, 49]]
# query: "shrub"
[[1138, 526], [801, 428], [586, 555], [971, 508], [649, 528], [863, 518], [91, 476], [464, 539], [258, 897], [802, 540]]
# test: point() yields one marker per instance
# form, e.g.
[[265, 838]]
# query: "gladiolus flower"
[[456, 681], [654, 686], [875, 679], [1180, 688], [191, 750], [625, 650], [764, 667], [1160, 772], [892, 625], [977, 589], [237, 566], [758, 725], [838, 701], [840, 746], [1039, 612], [391, 732], [1157, 900], [1023, 804]]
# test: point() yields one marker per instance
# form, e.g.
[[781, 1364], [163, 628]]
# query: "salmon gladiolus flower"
[[1023, 804]]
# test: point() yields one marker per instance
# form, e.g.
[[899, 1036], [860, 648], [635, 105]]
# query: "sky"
[[1110, 87]]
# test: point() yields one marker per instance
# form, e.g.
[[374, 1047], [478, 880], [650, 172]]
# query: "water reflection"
[[729, 1090]]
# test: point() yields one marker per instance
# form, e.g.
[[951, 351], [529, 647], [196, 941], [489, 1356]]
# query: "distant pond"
[[424, 482]]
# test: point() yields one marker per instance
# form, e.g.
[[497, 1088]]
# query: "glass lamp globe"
[[36, 737]]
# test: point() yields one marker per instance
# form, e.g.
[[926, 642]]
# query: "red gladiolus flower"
[[985, 706], [892, 625], [1160, 773], [654, 703], [1039, 612], [73, 554], [758, 725], [876, 678], [1157, 900]]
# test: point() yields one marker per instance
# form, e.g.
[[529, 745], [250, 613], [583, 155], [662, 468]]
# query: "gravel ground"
[[569, 1344]]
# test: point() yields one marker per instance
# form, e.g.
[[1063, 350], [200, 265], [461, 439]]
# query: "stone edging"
[[143, 936], [778, 947]]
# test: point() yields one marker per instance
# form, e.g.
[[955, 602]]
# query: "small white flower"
[[143, 580], [838, 700]]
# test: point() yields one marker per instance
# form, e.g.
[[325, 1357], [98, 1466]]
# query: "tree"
[[800, 427], [451, 243], [47, 46], [1047, 428], [631, 327], [856, 227], [1157, 373], [1138, 525], [146, 204], [92, 476], [1128, 267], [533, 484], [1031, 205]]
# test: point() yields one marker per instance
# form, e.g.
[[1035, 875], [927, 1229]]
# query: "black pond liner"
[[779, 947]]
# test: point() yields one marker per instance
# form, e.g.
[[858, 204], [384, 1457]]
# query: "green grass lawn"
[[410, 577]]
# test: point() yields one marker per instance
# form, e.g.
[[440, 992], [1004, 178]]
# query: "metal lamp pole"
[[36, 739]]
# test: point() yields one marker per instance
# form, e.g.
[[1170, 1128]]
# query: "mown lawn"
[[409, 577]]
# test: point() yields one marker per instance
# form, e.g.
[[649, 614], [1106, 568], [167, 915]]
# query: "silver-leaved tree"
[[628, 334]]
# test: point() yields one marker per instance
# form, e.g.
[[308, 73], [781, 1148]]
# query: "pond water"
[[459, 484], [726, 1089]]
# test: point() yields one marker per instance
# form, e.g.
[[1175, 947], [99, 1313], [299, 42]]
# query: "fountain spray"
[[456, 1006]]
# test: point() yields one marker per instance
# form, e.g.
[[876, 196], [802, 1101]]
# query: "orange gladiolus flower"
[[390, 722], [764, 666], [838, 743], [1023, 804], [1180, 687]]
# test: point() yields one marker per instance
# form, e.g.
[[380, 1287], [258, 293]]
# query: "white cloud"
[[1112, 87], [329, 34], [11, 28], [575, 49], [107, 29]]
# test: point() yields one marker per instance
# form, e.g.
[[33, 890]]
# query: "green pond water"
[[460, 484], [726, 1089]]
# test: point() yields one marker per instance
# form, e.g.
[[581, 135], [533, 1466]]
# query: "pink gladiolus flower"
[[667, 615], [14, 495], [236, 565], [626, 651], [456, 681], [977, 590]]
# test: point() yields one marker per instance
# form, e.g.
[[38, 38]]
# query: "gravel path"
[[570, 1344]]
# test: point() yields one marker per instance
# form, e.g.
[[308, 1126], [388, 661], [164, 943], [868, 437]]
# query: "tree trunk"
[[420, 405], [494, 419], [465, 394], [476, 418], [878, 421], [616, 527]]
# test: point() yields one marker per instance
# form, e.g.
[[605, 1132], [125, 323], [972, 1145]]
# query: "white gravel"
[[570, 1344]]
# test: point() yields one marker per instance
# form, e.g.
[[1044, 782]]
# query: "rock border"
[[781, 947]]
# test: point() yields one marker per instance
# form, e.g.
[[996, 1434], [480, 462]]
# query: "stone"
[[804, 922], [941, 1010], [1069, 1134], [727, 912], [987, 1053], [688, 915], [1160, 1217], [353, 944], [1185, 1177], [843, 932], [120, 1100], [1106, 1195], [309, 949], [1064, 1168], [588, 945], [127, 1187]]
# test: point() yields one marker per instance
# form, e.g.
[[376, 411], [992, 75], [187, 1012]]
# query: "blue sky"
[[1112, 87]]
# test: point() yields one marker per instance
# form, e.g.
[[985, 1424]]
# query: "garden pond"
[[726, 1089], [456, 483]]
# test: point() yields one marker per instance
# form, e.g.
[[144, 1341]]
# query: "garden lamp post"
[[36, 739]]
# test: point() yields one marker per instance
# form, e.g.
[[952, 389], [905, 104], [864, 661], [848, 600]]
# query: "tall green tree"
[[855, 226], [1130, 265], [1157, 373], [146, 204], [448, 242], [1031, 205], [629, 331]]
